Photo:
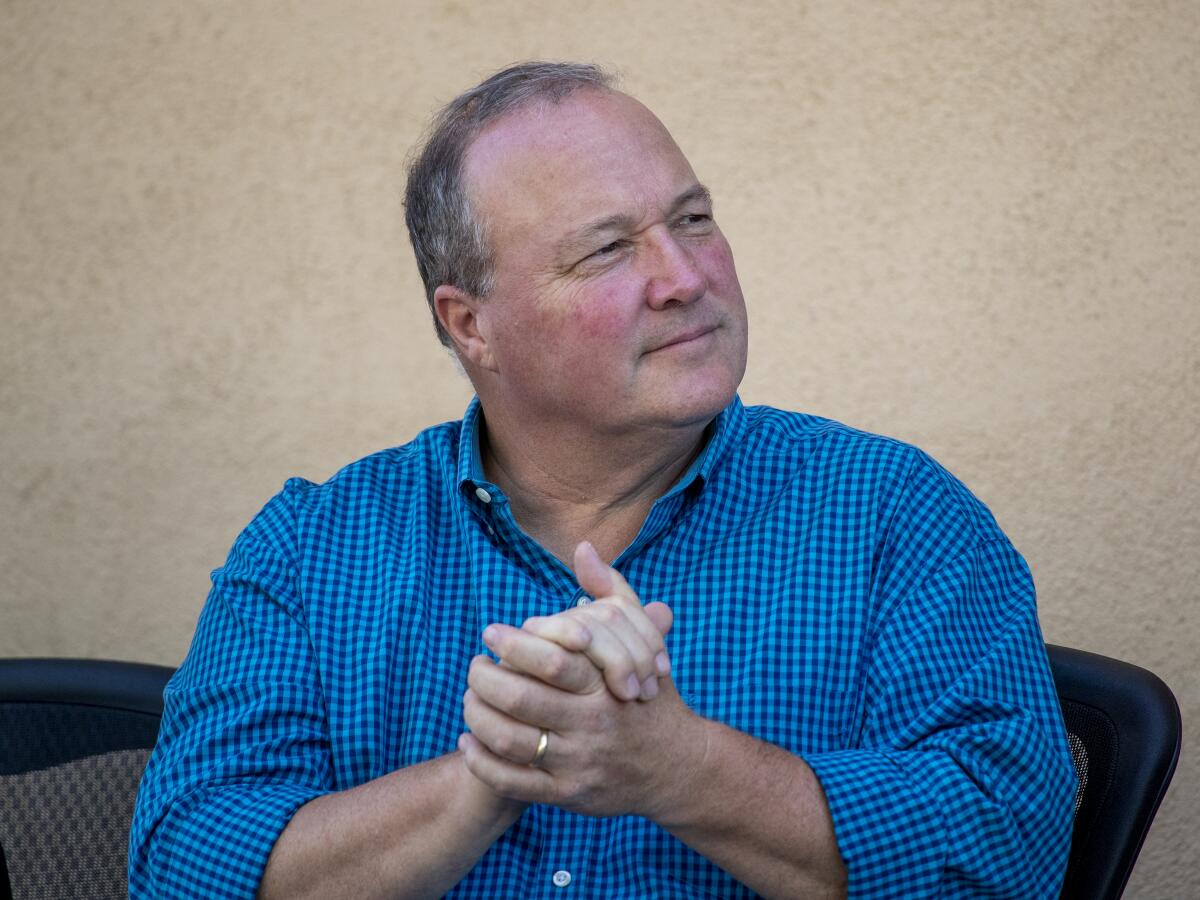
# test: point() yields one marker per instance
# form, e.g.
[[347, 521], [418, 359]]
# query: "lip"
[[686, 338]]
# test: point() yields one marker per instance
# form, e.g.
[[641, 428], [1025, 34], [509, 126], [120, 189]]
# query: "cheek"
[[599, 315], [716, 259], [601, 327]]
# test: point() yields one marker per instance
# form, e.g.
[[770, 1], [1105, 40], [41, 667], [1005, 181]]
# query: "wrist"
[[479, 801], [685, 771]]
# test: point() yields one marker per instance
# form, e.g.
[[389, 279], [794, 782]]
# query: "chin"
[[697, 403]]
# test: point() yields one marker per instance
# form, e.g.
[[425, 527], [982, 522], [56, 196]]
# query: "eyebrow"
[[625, 222]]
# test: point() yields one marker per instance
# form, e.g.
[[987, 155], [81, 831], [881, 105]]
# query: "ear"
[[458, 312]]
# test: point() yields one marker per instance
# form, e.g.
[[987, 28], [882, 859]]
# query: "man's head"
[[447, 235], [602, 296]]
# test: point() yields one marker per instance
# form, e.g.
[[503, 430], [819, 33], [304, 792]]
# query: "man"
[[852, 693]]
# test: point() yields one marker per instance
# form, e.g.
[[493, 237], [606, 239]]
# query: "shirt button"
[[583, 601], [483, 495], [561, 878]]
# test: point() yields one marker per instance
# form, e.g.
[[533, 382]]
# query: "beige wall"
[[972, 225]]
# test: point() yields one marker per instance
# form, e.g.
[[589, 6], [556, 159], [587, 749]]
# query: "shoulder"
[[775, 449], [814, 439], [391, 482], [846, 464]]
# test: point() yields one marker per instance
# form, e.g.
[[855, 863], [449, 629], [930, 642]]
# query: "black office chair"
[[1124, 728], [74, 737]]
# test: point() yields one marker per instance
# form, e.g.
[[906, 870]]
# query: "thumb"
[[597, 577]]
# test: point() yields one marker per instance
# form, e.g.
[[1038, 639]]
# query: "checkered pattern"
[[835, 593]]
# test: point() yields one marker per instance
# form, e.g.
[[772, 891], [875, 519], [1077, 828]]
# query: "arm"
[[242, 771], [714, 788], [962, 758], [413, 833], [959, 783]]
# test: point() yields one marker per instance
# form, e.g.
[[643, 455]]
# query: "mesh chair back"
[[1124, 729], [65, 827], [74, 738]]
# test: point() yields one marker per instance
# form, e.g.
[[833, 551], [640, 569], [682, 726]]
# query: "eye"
[[607, 250], [694, 220]]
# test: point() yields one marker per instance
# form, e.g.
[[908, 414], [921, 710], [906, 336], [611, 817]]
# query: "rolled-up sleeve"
[[244, 738], [961, 783]]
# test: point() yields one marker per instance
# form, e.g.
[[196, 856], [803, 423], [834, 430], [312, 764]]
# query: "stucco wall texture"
[[972, 225]]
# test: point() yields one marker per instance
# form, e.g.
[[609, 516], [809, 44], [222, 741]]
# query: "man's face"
[[615, 301]]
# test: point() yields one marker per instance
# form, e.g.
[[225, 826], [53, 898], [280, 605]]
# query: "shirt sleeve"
[[960, 783], [244, 738]]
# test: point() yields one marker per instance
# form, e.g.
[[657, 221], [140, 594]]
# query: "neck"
[[564, 489]]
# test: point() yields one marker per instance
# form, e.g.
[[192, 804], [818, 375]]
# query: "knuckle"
[[505, 744], [576, 626], [473, 675], [624, 663], [503, 784], [520, 700], [478, 664], [621, 600], [557, 665], [607, 613]]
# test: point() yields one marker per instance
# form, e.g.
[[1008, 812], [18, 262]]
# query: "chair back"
[[1124, 730], [75, 735]]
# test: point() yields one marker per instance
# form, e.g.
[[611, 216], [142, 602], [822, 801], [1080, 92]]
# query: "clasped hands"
[[597, 679]]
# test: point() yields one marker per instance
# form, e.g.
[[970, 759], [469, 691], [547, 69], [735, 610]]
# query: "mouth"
[[687, 337]]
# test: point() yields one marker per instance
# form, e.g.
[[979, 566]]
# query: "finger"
[[568, 631], [649, 651], [661, 616], [598, 578], [645, 645], [517, 695], [524, 783], [543, 657], [603, 581], [620, 651], [621, 641], [503, 736]]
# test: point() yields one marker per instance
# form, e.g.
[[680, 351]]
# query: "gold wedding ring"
[[540, 752]]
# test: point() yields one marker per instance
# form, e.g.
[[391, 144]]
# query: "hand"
[[623, 639], [571, 674], [605, 756]]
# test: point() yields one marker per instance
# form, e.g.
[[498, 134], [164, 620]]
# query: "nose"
[[673, 277]]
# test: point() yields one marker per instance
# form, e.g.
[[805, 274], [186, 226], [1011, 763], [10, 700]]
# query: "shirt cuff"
[[216, 842], [890, 836]]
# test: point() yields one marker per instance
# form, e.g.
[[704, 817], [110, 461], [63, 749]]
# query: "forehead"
[[548, 167]]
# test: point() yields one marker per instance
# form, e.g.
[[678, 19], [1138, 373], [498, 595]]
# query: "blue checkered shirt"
[[835, 593]]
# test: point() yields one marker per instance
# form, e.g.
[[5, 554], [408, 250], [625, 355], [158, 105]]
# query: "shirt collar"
[[721, 434], [470, 452]]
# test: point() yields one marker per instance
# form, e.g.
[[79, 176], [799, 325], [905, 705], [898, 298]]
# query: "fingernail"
[[663, 662], [633, 687], [650, 688], [489, 635]]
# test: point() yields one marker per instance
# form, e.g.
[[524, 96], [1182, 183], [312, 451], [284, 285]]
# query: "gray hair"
[[449, 240]]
